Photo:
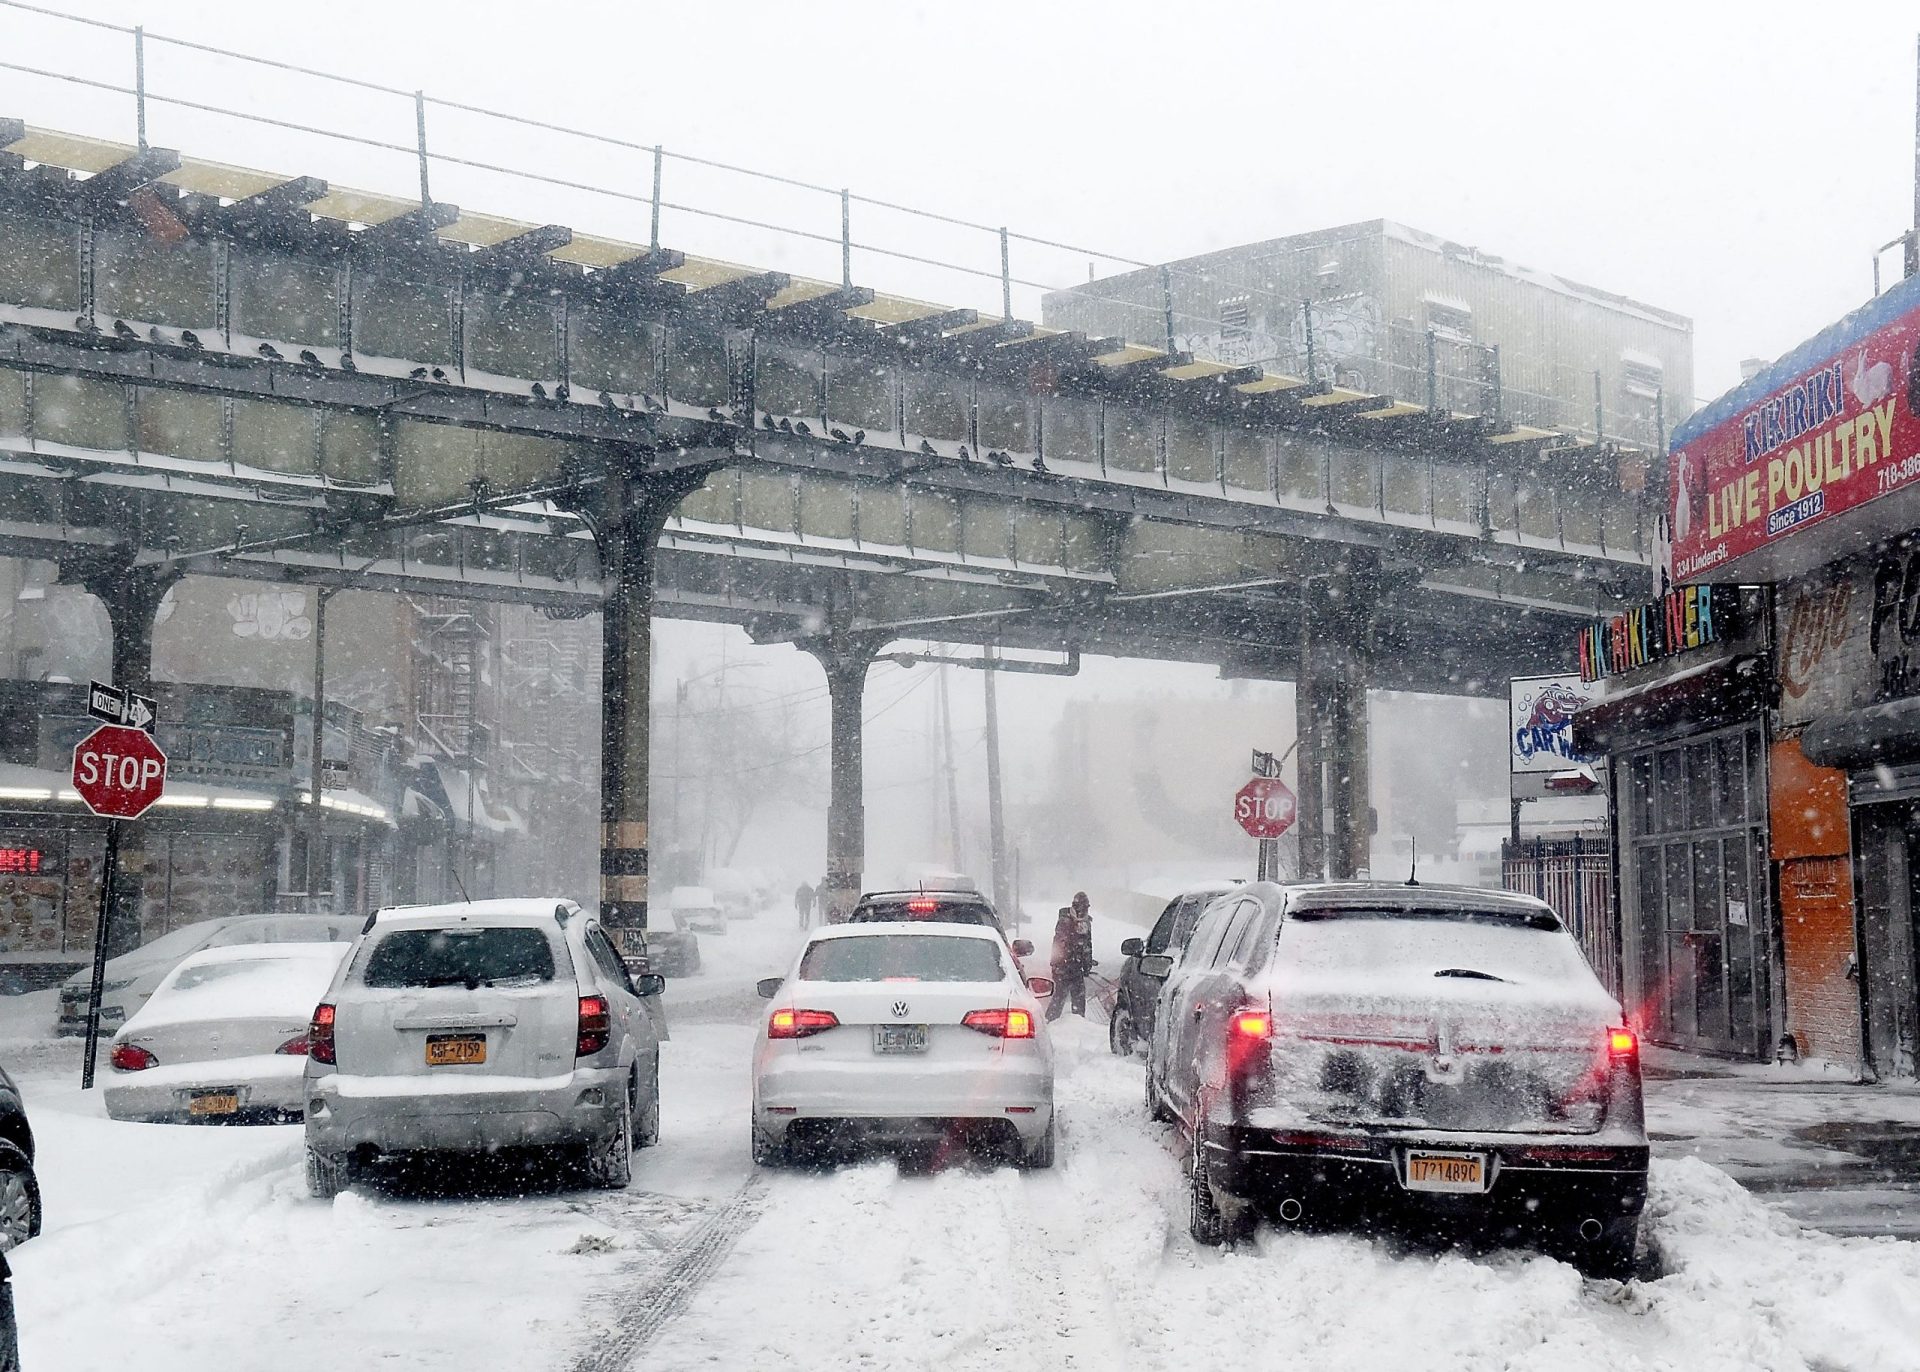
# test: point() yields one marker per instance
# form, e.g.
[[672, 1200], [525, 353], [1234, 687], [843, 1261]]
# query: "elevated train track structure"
[[206, 369]]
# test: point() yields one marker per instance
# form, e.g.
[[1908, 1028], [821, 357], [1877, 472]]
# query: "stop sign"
[[1264, 807], [119, 771]]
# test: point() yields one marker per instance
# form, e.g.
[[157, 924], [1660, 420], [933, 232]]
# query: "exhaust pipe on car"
[[1591, 1230], [1290, 1210]]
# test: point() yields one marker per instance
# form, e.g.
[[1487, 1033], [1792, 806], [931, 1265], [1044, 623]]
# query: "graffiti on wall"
[[1815, 626]]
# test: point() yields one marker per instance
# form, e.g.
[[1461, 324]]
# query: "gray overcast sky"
[[1736, 162]]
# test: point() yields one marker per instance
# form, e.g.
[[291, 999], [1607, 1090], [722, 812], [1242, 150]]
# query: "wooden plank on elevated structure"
[[220, 181]]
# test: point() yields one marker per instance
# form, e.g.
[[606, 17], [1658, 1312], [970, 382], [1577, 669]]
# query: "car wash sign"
[[1832, 427], [1542, 710]]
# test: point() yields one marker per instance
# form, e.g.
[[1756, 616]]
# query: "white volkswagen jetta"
[[904, 1033]]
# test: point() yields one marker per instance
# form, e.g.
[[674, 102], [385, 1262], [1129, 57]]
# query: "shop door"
[[1697, 930], [1889, 843]]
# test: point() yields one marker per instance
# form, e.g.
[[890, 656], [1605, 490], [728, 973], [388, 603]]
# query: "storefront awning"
[[1878, 736], [1707, 696]]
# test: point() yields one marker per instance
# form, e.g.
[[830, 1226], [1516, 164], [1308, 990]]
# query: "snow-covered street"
[[171, 1248]]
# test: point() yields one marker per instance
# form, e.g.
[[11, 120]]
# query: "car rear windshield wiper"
[[1467, 972]]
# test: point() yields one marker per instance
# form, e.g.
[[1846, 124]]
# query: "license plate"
[[1446, 1172], [213, 1103], [899, 1038], [456, 1050]]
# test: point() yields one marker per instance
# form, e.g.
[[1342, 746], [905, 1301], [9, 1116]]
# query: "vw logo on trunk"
[[900, 1009]]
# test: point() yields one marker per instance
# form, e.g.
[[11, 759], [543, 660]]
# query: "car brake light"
[[1622, 1042], [922, 905], [320, 1035], [128, 1057], [1009, 1023], [296, 1046], [1253, 1024], [596, 1026], [798, 1024]]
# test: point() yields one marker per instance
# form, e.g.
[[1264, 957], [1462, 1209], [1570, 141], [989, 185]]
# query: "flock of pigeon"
[[561, 393]]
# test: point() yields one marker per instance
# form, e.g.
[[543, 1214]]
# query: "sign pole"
[[109, 876]]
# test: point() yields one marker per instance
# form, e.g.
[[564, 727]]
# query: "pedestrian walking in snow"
[[803, 903], [1072, 957]]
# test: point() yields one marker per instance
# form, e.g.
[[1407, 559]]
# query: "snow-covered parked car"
[[474, 1027], [132, 976], [1343, 1050], [671, 950], [224, 1036], [695, 908], [904, 1033]]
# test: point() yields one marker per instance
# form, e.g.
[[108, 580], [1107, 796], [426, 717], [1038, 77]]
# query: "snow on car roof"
[[1338, 895], [260, 952], [505, 908], [877, 928], [261, 980]]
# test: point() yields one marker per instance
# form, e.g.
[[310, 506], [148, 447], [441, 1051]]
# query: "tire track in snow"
[[667, 1285]]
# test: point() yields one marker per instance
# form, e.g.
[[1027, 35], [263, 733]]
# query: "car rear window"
[[939, 910], [1454, 943], [902, 957], [461, 956]]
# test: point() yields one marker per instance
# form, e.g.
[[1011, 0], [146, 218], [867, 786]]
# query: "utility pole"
[[316, 812], [996, 827], [955, 856]]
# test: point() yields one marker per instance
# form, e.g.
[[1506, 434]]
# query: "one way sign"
[[116, 706]]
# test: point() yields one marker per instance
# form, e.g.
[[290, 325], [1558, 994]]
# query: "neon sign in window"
[[19, 861]]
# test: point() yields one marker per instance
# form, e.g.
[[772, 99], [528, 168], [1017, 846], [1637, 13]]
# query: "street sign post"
[[119, 772]]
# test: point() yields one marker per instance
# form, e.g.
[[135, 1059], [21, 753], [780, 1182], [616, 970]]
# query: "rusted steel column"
[[632, 509], [845, 658]]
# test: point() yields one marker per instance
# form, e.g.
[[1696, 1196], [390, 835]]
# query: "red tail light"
[[128, 1057], [922, 905], [1622, 1042], [320, 1035], [1011, 1023], [798, 1024], [297, 1046], [596, 1026], [1253, 1024]]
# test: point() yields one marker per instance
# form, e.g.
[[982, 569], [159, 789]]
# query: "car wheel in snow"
[[1156, 1108], [610, 1162], [646, 1126], [19, 1199], [1612, 1255], [1207, 1220], [768, 1152], [1120, 1031], [328, 1174], [1041, 1154]]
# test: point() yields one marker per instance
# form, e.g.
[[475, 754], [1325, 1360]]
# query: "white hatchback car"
[[224, 1037], [474, 1027], [907, 1033]]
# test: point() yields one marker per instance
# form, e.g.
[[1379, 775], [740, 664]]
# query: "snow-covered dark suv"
[[1342, 1050]]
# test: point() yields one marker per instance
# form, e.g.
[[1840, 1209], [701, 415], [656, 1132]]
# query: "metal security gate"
[[1575, 877], [1696, 944]]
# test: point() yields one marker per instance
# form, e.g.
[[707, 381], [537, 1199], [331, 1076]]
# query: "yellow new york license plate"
[[213, 1103], [1446, 1172], [456, 1050]]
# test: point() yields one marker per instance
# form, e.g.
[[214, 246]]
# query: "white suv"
[[492, 1024]]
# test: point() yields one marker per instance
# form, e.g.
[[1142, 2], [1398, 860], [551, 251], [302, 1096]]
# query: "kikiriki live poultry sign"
[[1831, 427]]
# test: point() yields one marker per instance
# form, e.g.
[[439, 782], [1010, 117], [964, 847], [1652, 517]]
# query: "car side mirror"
[[1040, 986], [1130, 948], [769, 987], [649, 983], [1156, 965], [1023, 947]]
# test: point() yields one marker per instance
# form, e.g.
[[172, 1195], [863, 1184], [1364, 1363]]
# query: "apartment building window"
[[1450, 319], [1641, 375]]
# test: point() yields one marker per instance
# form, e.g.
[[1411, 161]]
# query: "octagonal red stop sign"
[[119, 771], [1264, 807]]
